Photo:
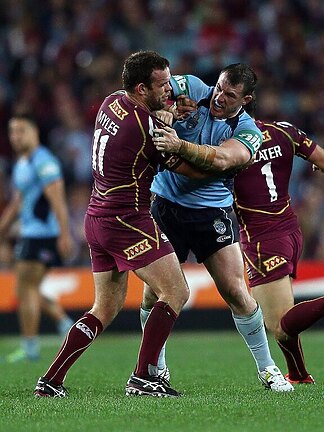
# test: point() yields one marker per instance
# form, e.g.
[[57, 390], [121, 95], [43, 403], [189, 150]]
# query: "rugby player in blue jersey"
[[39, 201], [196, 215], [270, 236]]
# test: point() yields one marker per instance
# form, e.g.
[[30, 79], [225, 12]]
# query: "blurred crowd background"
[[60, 58]]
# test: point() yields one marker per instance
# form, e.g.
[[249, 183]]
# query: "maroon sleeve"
[[303, 145]]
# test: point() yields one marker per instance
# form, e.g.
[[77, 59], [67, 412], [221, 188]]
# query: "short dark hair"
[[138, 68], [29, 117], [240, 73]]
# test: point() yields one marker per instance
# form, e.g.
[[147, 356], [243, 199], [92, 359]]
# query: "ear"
[[141, 89], [247, 99]]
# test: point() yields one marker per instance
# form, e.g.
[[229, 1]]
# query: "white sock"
[[144, 313], [30, 345], [252, 329], [64, 325]]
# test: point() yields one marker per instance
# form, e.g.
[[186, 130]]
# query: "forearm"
[[56, 195], [205, 156], [61, 212], [317, 158], [8, 216]]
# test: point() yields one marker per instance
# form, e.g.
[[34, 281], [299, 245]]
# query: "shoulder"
[[42, 155], [46, 163], [191, 86], [246, 123], [248, 133]]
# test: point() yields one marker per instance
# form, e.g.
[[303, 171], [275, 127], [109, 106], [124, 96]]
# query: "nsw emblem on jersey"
[[274, 262], [118, 110], [137, 249]]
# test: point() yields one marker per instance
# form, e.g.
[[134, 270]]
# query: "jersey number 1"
[[266, 171]]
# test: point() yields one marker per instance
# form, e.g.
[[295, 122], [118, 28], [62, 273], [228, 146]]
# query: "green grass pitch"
[[213, 369]]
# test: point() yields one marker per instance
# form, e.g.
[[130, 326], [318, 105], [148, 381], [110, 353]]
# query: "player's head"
[[235, 88], [23, 132], [146, 77]]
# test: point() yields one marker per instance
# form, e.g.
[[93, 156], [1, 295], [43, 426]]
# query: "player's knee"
[[184, 296], [149, 297], [274, 327], [106, 313]]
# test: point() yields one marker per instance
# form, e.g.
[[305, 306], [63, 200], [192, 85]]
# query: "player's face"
[[227, 99], [23, 135], [160, 91]]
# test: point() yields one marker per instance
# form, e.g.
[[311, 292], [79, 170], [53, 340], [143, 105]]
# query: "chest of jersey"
[[201, 128], [24, 175]]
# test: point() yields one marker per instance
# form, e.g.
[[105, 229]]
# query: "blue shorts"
[[43, 250], [201, 231]]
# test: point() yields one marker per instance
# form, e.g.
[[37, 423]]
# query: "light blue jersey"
[[30, 177], [201, 128]]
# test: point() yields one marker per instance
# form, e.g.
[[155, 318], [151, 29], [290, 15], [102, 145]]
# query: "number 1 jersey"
[[262, 201]]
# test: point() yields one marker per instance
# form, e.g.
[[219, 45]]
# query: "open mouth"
[[217, 104]]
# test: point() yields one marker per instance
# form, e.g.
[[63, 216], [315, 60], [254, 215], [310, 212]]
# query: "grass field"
[[213, 369]]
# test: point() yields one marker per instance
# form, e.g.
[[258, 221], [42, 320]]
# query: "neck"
[[236, 112], [138, 102], [26, 153]]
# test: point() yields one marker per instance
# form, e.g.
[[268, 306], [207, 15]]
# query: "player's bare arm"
[[231, 154], [10, 213], [55, 194], [317, 158]]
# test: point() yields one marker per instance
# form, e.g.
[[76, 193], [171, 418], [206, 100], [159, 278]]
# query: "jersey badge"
[[308, 142], [274, 262], [118, 110], [193, 121]]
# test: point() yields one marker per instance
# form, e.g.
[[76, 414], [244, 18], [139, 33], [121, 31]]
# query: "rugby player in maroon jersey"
[[120, 230], [271, 239]]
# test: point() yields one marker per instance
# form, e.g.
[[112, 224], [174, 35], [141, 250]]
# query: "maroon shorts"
[[270, 260], [128, 242]]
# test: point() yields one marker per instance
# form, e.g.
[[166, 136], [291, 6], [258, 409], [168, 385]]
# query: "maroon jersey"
[[124, 158], [262, 201]]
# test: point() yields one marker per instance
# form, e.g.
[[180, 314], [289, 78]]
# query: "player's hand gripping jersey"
[[201, 128], [261, 192], [124, 158]]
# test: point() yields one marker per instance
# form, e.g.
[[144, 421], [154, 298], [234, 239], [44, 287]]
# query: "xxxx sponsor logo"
[[137, 249], [117, 109], [274, 262], [266, 136]]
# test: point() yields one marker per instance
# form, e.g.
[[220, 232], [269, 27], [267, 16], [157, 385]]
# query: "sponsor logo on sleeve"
[[181, 80], [250, 138]]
